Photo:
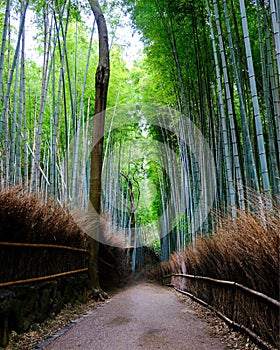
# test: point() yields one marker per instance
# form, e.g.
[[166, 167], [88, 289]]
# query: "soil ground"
[[143, 316]]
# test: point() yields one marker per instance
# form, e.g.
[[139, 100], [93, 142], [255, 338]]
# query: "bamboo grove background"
[[217, 62]]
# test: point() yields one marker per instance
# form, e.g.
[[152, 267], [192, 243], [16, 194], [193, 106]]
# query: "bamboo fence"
[[27, 263], [241, 307]]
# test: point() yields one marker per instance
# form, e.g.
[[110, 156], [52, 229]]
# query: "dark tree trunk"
[[101, 89]]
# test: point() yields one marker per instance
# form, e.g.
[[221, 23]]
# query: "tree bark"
[[101, 90]]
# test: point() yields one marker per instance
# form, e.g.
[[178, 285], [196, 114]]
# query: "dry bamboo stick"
[[228, 283], [43, 278], [55, 246]]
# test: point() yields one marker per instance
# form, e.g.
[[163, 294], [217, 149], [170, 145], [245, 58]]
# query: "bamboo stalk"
[[255, 101], [251, 177], [11, 72], [230, 111], [230, 190], [43, 99], [3, 44]]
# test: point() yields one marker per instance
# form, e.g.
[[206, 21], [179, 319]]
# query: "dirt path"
[[144, 316]]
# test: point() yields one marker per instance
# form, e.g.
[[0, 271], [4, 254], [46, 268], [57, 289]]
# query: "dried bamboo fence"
[[241, 307], [25, 262]]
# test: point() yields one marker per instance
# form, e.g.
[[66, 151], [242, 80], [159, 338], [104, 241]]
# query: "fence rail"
[[38, 262], [225, 303], [41, 245], [227, 283], [43, 278]]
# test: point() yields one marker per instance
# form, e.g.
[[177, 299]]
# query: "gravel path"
[[144, 316]]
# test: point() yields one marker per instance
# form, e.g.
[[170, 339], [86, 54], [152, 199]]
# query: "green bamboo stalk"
[[12, 143], [43, 98], [3, 45], [255, 101], [251, 171], [273, 166], [62, 93], [275, 15], [13, 67], [234, 146], [75, 178], [228, 159], [22, 110], [274, 84]]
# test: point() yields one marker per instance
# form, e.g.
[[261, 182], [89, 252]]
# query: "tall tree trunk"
[[101, 90]]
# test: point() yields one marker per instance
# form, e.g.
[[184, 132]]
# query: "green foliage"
[[155, 245], [176, 69], [120, 87], [181, 222]]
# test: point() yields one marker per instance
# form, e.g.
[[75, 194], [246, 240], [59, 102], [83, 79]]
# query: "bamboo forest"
[[140, 140]]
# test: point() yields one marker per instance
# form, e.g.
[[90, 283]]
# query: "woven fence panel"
[[244, 308], [28, 262]]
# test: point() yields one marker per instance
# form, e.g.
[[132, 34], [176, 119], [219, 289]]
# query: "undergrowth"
[[26, 218], [243, 250]]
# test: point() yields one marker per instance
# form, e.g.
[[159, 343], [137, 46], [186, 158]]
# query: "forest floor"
[[147, 316]]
